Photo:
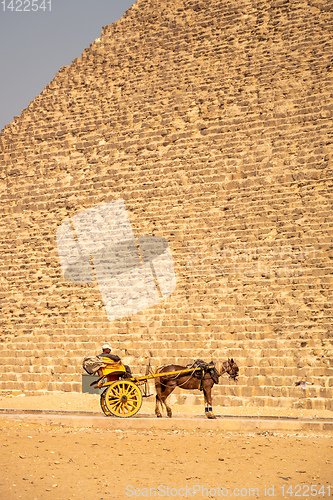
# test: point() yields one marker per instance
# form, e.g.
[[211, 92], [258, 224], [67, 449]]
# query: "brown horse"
[[166, 384]]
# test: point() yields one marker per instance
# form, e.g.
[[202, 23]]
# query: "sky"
[[37, 42]]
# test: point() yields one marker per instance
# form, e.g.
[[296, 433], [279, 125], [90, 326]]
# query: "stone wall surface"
[[212, 120]]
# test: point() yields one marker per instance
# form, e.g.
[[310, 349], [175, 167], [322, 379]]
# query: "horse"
[[164, 385]]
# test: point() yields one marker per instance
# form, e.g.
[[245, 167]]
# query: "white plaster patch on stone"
[[104, 236]]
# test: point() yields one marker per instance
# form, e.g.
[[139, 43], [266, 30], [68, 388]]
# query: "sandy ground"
[[39, 462], [65, 401]]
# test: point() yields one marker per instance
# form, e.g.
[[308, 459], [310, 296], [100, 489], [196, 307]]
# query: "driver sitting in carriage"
[[113, 360]]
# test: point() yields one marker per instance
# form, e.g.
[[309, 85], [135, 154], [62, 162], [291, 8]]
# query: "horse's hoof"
[[159, 416], [210, 415]]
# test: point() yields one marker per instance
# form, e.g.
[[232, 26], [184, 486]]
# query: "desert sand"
[[60, 462]]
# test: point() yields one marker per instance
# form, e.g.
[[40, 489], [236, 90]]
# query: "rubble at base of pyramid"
[[204, 128]]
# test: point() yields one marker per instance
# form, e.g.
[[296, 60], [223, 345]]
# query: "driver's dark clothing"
[[113, 357]]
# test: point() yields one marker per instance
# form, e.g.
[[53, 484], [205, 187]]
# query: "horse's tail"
[[158, 384], [158, 387]]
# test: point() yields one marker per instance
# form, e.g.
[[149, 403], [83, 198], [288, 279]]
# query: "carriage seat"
[[112, 369]]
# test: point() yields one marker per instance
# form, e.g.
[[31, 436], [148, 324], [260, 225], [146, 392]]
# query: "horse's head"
[[232, 369], [228, 367]]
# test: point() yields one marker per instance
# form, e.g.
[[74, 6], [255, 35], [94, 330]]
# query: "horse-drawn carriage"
[[122, 396]]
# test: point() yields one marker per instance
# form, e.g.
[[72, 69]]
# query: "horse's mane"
[[219, 367]]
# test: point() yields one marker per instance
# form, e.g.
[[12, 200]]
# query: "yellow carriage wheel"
[[103, 405], [123, 398]]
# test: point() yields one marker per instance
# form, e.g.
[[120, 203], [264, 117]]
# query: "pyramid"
[[208, 124]]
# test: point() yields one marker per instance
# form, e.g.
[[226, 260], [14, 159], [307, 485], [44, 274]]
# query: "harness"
[[201, 368]]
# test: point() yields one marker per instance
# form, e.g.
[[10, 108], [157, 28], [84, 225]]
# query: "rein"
[[180, 375]]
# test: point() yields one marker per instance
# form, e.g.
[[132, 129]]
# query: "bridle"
[[228, 367], [234, 372]]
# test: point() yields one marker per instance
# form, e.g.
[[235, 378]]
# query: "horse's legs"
[[208, 401], [167, 391], [157, 407], [162, 392], [167, 407], [158, 403]]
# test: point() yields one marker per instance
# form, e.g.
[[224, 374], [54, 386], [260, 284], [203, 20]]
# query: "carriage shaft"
[[143, 378]]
